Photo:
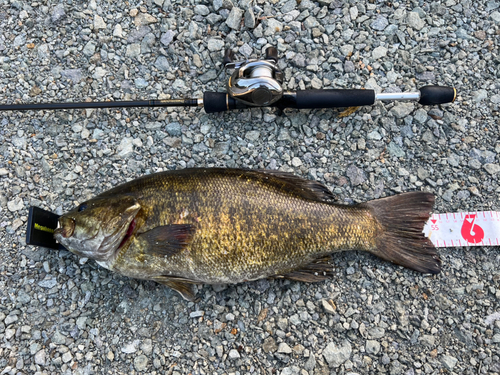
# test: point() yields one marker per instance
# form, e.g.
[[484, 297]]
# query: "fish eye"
[[82, 207]]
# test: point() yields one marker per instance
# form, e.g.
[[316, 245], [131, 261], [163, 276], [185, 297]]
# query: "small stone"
[[174, 129], [15, 204], [215, 44], [374, 135], [376, 332], [58, 13], [141, 362], [10, 319], [401, 110], [58, 338], [414, 21], [89, 48], [372, 347], [379, 52], [284, 348], [143, 19], [449, 362], [491, 168], [162, 63], [141, 83], [234, 354], [328, 306], [234, 18], [130, 347], [9, 333], [311, 363], [99, 22], [310, 22], [249, 18], [133, 50], [395, 150], [48, 282], [126, 147], [296, 162], [196, 314], [99, 73], [110, 355], [167, 37], [81, 322], [495, 16], [118, 31], [349, 66], [273, 26], [353, 12], [210, 75], [246, 50], [252, 135], [66, 357], [479, 95], [380, 23], [427, 340], [336, 355], [74, 75], [202, 10], [43, 51], [269, 345], [40, 357], [356, 175]]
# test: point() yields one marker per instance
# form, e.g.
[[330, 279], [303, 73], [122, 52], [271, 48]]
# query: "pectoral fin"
[[168, 240]]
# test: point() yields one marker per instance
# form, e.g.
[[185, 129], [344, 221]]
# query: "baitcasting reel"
[[255, 82]]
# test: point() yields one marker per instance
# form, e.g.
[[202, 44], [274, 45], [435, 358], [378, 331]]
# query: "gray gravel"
[[64, 315]]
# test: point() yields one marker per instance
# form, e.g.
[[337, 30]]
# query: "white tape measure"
[[464, 229]]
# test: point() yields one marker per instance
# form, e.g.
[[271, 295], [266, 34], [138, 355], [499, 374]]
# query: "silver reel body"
[[256, 82]]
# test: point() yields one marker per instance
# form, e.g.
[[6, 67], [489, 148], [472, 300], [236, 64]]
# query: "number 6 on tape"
[[464, 229]]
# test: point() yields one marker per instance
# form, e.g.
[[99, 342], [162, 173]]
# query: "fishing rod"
[[258, 83]]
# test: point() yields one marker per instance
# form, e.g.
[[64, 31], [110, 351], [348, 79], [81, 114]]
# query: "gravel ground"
[[62, 315]]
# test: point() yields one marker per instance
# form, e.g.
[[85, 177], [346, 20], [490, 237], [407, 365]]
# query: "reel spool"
[[255, 83]]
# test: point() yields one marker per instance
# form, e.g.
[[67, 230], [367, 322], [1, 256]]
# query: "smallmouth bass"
[[217, 226]]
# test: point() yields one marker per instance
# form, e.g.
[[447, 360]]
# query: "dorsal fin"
[[307, 189]]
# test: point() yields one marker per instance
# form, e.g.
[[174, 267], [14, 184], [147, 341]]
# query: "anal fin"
[[313, 272], [184, 287]]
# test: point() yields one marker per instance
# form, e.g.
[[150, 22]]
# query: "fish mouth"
[[65, 227]]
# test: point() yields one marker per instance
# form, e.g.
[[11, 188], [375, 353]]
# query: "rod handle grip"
[[214, 102], [334, 98], [431, 95]]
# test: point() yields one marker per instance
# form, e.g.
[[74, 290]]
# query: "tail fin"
[[401, 241]]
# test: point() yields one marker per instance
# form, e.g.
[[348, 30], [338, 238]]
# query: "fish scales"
[[228, 226]]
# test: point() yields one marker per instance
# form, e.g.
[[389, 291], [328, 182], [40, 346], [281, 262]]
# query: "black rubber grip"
[[430, 95], [214, 102], [333, 98]]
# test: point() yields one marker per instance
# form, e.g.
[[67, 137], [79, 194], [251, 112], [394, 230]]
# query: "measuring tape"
[[464, 229]]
